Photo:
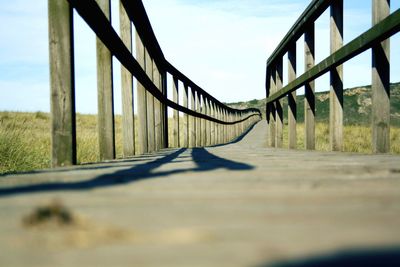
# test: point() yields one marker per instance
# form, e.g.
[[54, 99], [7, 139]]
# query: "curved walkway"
[[236, 205]]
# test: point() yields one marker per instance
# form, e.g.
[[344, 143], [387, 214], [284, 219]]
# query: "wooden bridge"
[[224, 192]]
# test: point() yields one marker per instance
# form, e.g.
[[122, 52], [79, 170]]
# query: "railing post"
[[271, 109], [198, 120], [309, 100], [192, 124], [292, 101], [217, 131], [150, 105], [62, 84], [216, 115], [105, 93], [141, 101], [175, 129], [128, 124], [185, 140], [336, 77], [381, 84], [279, 108], [220, 127], [164, 112], [157, 109], [208, 123], [237, 129], [212, 113], [225, 116], [232, 119], [203, 122]]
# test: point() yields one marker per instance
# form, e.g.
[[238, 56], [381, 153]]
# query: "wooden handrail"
[[385, 25], [365, 41], [149, 68]]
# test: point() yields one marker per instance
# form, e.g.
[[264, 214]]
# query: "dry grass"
[[25, 140], [357, 138]]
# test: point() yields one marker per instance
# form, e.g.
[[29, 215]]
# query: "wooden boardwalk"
[[242, 204]]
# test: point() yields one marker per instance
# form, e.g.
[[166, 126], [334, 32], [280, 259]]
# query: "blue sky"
[[222, 45]]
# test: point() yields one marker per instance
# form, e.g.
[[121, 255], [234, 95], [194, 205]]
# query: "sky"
[[222, 45]]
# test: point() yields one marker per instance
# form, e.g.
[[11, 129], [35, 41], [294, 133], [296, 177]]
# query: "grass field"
[[25, 140]]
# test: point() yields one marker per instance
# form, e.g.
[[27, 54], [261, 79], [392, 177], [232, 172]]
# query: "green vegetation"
[[25, 137], [357, 138], [357, 112], [25, 140], [357, 105]]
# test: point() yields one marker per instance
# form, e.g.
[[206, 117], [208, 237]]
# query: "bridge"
[[214, 187]]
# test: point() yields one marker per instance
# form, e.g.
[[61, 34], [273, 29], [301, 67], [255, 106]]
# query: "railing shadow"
[[240, 137], [374, 257], [204, 160]]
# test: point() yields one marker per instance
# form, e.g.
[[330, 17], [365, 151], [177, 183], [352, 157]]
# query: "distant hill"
[[357, 105]]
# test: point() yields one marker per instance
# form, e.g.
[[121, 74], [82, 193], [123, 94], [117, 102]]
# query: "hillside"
[[357, 105]]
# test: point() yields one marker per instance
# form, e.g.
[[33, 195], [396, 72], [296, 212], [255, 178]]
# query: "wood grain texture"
[[141, 101], [185, 129], [380, 84], [128, 124], [151, 134], [105, 94], [309, 100], [279, 104], [292, 101], [336, 79], [192, 122], [62, 84], [158, 134], [175, 124], [198, 121]]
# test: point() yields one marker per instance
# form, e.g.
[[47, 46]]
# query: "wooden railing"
[[206, 120], [385, 25]]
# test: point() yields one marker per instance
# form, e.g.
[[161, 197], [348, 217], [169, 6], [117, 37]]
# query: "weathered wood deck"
[[236, 205]]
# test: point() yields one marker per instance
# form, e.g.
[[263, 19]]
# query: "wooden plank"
[[158, 134], [292, 101], [208, 123], [62, 85], [237, 124], [141, 101], [271, 109], [175, 125], [217, 125], [198, 121], [380, 84], [278, 103], [128, 124], [185, 137], [309, 99], [105, 93], [230, 126], [216, 141], [164, 108], [336, 79], [242, 123], [225, 117], [221, 127], [377, 33], [192, 124], [151, 135], [203, 122], [212, 114], [234, 125]]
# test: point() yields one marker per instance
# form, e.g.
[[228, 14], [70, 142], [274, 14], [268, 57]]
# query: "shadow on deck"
[[204, 161], [378, 257]]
